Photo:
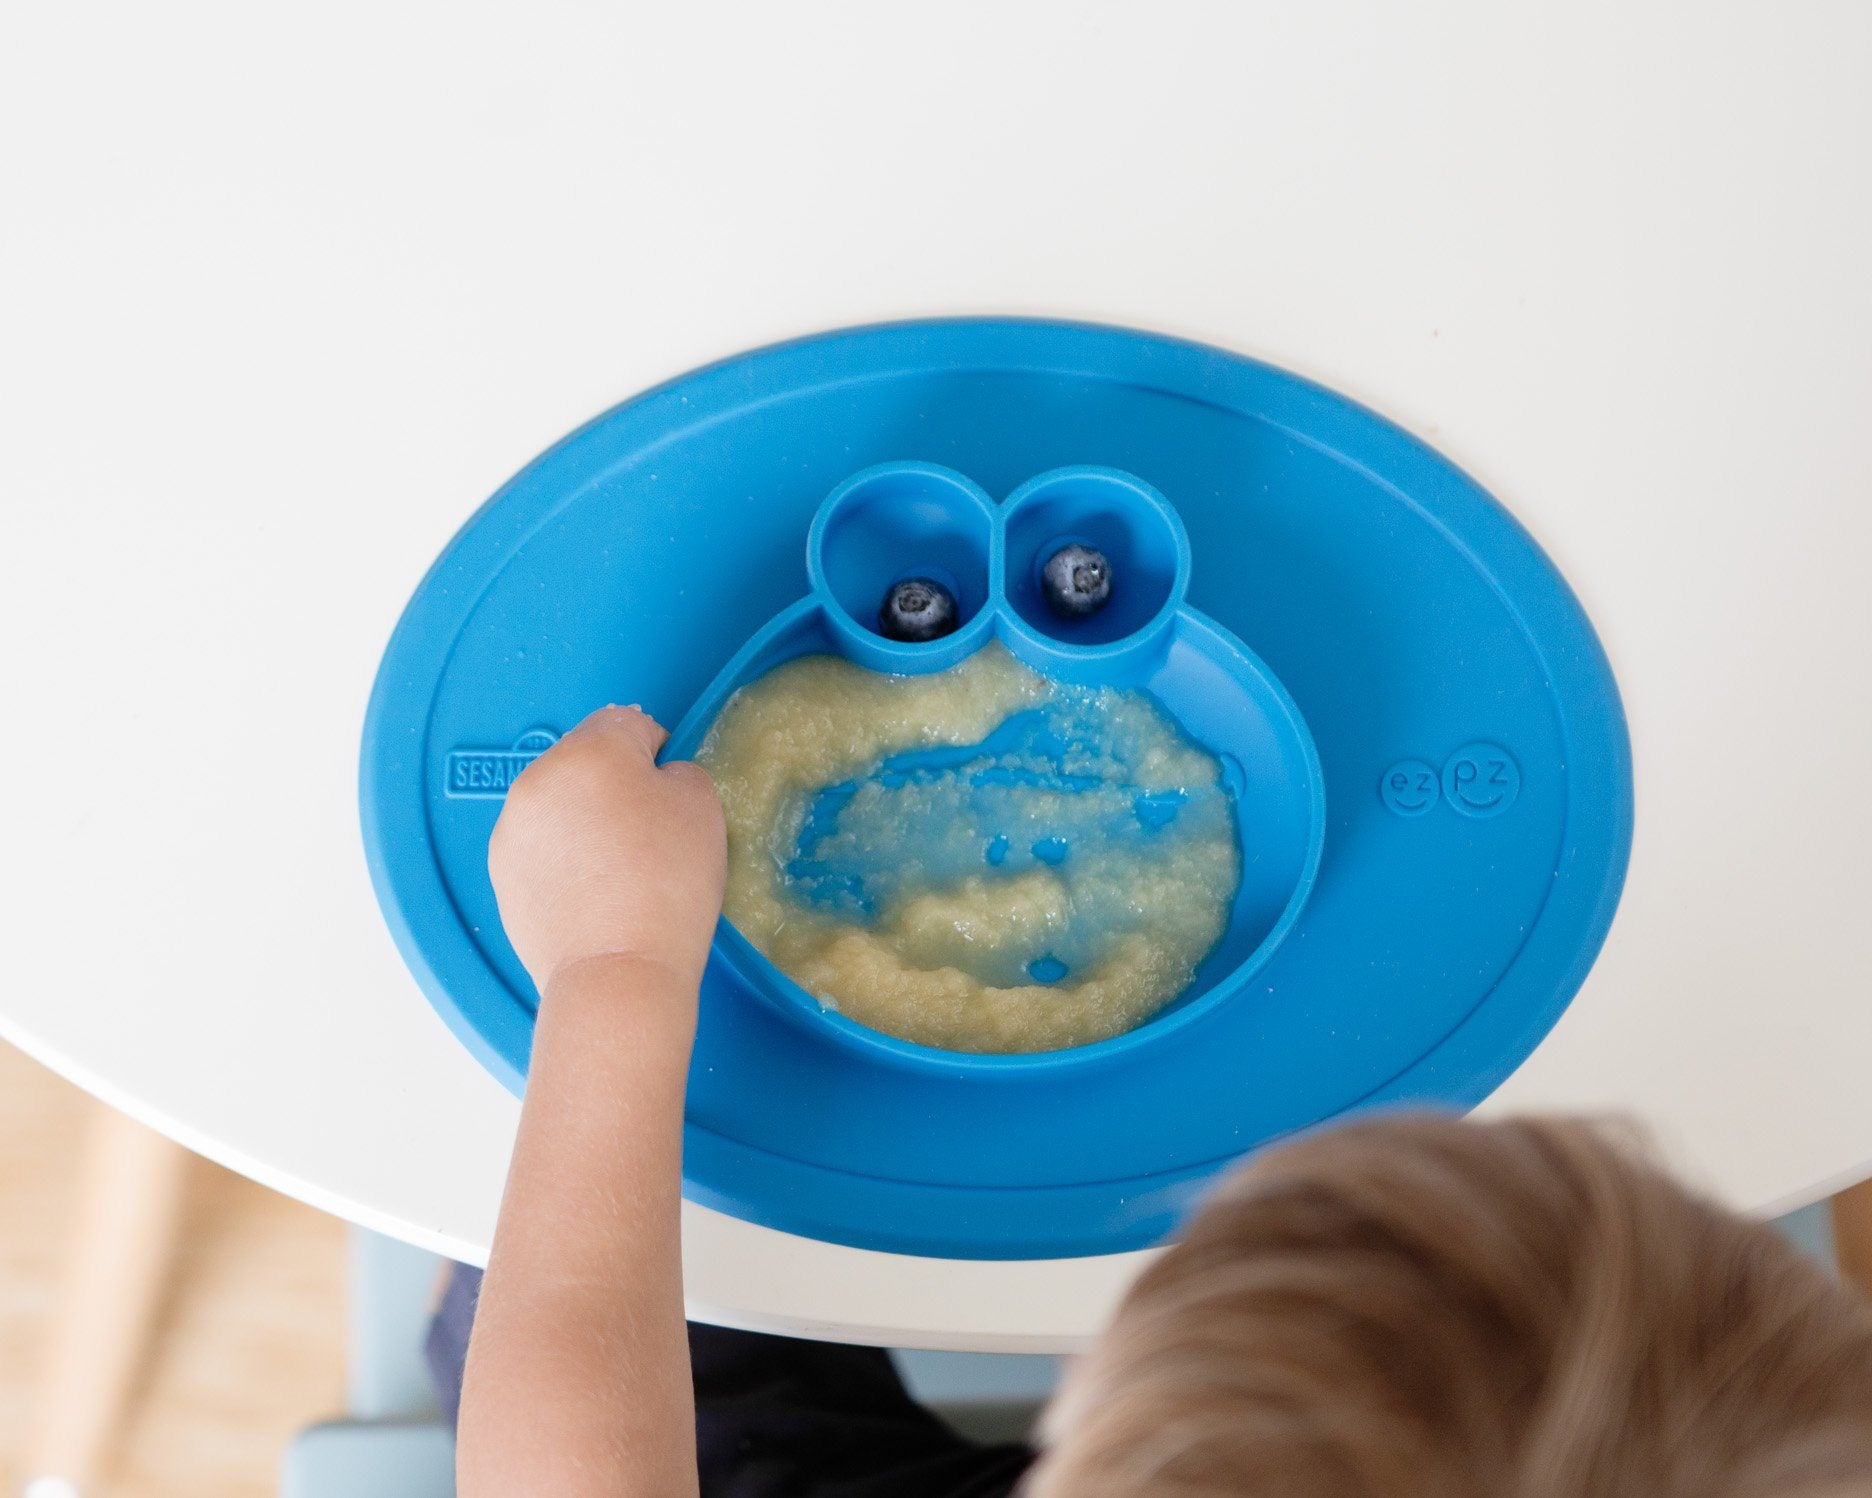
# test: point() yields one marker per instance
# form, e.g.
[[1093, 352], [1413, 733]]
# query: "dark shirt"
[[781, 1418]]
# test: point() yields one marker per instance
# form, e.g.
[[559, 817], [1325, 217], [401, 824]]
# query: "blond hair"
[[1418, 1305]]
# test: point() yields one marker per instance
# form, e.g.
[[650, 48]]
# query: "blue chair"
[[391, 1443], [1810, 1230]]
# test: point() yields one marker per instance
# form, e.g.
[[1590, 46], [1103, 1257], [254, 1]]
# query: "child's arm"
[[609, 875]]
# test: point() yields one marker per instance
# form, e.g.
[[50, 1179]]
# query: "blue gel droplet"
[[1157, 809], [997, 849], [1050, 850], [1046, 970]]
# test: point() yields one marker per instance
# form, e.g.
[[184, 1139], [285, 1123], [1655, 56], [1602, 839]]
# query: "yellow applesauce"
[[978, 859]]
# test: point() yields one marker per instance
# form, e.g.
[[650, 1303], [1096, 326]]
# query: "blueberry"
[[1076, 581], [916, 609]]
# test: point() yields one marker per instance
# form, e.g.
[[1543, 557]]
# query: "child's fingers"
[[628, 725], [637, 726], [687, 772]]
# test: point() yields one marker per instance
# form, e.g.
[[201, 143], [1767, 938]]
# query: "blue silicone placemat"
[[1472, 749]]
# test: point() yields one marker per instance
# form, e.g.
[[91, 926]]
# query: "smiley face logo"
[[1481, 780], [1409, 788]]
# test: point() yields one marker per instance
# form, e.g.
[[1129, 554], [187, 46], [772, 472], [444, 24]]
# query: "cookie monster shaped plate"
[[1419, 731], [988, 564]]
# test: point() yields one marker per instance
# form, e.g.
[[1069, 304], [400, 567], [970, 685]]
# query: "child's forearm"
[[578, 1375]]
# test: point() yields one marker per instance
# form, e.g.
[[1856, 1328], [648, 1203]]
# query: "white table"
[[285, 294]]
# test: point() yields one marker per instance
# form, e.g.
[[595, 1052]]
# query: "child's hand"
[[601, 852]]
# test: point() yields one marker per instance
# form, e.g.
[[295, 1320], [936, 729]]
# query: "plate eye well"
[[1114, 514], [890, 524]]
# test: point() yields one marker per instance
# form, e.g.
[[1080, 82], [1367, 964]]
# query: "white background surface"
[[286, 292]]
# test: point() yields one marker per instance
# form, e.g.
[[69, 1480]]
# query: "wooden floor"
[[251, 1343]]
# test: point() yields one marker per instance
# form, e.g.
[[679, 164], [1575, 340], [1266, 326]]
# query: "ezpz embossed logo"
[[485, 774], [1479, 780]]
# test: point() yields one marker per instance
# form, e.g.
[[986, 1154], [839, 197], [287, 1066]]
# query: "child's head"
[[1423, 1306]]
